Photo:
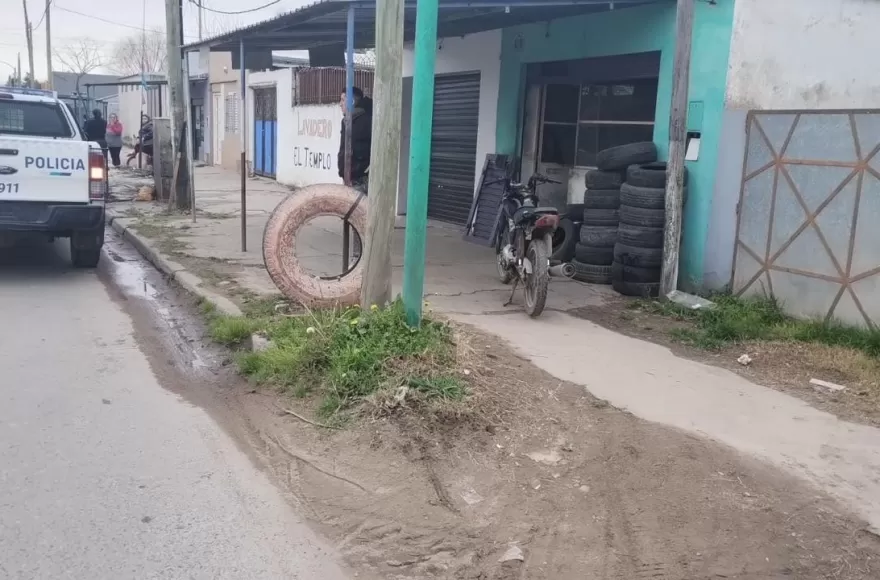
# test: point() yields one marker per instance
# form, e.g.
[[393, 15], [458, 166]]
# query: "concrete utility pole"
[[419, 160], [49, 84], [681, 64], [385, 154], [29, 37], [173, 36]]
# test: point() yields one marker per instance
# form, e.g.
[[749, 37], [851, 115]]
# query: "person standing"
[[96, 130], [114, 139], [361, 139]]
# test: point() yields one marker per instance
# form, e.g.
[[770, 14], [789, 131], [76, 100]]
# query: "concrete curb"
[[177, 272]]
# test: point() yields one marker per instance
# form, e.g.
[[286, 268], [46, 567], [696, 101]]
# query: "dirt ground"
[[581, 489], [786, 367], [562, 484]]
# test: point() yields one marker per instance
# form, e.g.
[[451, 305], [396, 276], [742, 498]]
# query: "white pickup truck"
[[52, 183]]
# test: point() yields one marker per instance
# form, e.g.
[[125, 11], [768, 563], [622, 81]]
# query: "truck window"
[[33, 119]]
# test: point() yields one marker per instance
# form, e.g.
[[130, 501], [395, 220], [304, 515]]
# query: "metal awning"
[[323, 23]]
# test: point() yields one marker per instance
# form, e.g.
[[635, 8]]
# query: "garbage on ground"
[[833, 387]]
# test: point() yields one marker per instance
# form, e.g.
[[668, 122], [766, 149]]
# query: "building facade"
[[776, 97]]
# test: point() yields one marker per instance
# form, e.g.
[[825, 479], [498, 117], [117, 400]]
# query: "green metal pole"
[[419, 160]]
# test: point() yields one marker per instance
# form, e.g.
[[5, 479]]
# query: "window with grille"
[[231, 107], [321, 86], [581, 120]]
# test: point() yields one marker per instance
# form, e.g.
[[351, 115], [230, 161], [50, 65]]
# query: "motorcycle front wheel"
[[538, 282]]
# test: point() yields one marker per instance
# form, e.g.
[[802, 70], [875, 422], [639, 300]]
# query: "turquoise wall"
[[631, 30]]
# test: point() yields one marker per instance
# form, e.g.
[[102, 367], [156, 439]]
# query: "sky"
[[110, 21]]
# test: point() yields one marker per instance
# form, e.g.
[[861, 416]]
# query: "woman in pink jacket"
[[114, 139]]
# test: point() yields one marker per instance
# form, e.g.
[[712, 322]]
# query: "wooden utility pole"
[[49, 83], [681, 64], [419, 160], [385, 154], [29, 38], [173, 42]]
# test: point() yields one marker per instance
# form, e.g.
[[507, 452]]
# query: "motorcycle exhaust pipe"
[[564, 270]]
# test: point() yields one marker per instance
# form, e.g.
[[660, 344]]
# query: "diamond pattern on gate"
[[809, 211]]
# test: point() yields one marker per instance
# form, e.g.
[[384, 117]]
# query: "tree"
[[138, 53], [80, 57]]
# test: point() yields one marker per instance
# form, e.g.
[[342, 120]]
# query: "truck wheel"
[[85, 247], [85, 257]]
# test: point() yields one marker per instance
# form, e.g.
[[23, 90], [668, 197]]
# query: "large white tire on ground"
[[279, 245]]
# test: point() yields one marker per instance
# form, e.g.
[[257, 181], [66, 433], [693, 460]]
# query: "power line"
[[233, 12], [93, 17], [43, 17], [131, 26]]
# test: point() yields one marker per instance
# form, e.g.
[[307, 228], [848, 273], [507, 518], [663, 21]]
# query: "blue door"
[[265, 132]]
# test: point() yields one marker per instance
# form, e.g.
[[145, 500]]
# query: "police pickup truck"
[[52, 183]]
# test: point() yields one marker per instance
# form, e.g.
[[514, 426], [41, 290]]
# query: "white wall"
[[809, 54], [308, 135], [312, 145], [475, 52], [804, 54]]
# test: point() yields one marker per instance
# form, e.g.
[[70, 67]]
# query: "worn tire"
[[601, 217], [635, 274], [598, 236], [649, 174], [597, 256], [564, 239], [635, 289], [602, 199], [596, 179], [621, 157], [640, 237], [591, 273], [643, 197], [279, 245], [647, 218], [641, 257]]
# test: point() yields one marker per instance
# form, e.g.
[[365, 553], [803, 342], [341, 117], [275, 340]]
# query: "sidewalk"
[[646, 379]]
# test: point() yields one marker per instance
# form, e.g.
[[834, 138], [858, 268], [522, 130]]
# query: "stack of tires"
[[594, 254], [638, 254], [594, 250]]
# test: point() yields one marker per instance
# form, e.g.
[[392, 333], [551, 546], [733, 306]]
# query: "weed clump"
[[346, 356]]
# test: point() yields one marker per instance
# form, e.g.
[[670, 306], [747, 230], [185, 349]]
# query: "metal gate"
[[265, 131], [807, 229], [454, 147]]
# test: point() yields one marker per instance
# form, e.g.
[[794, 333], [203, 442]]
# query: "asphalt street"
[[106, 470]]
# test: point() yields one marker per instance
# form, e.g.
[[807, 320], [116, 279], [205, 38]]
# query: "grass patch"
[[345, 357], [737, 320], [233, 330]]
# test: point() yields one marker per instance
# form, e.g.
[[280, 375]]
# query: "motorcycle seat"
[[527, 213]]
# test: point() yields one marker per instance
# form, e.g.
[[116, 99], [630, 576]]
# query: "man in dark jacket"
[[96, 129], [361, 139]]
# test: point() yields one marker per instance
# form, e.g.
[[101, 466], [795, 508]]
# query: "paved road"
[[104, 472]]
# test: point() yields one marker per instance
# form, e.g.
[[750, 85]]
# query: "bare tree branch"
[[80, 57], [140, 52]]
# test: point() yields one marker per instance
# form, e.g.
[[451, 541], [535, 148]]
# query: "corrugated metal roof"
[[323, 23]]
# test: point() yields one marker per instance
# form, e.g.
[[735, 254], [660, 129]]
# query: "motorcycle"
[[524, 243]]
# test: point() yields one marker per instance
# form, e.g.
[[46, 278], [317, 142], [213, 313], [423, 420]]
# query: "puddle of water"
[[132, 278]]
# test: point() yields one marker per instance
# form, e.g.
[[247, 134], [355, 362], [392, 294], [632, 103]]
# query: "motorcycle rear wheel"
[[537, 283]]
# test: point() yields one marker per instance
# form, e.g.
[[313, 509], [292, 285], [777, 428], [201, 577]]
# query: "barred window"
[[322, 86], [232, 119]]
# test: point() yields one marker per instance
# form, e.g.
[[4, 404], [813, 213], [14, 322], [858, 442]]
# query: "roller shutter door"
[[454, 147]]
